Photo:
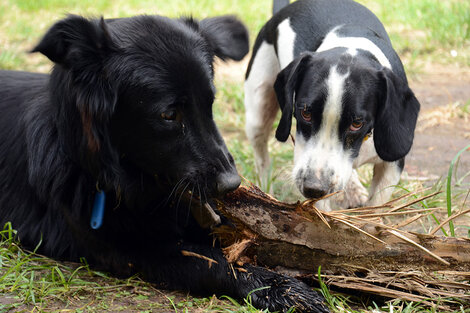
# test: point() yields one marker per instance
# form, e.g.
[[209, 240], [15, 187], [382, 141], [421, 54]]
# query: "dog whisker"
[[176, 188], [168, 198], [179, 199], [189, 205]]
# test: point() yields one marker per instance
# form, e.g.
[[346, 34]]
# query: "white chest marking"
[[332, 40]]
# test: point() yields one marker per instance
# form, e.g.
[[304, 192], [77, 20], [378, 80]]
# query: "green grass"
[[421, 31], [33, 283], [444, 22], [429, 28], [426, 29]]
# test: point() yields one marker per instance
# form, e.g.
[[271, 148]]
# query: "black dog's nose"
[[313, 190], [227, 182]]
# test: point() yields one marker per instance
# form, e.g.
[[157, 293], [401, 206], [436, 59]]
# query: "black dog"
[[332, 67], [127, 114]]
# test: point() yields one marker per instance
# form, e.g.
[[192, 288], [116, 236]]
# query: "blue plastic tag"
[[98, 210]]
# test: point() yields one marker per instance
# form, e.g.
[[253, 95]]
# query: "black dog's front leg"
[[203, 270], [282, 293]]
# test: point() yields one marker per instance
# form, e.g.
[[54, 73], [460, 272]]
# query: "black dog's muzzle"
[[227, 181]]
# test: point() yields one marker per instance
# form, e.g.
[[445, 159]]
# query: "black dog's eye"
[[306, 115], [356, 125], [169, 115]]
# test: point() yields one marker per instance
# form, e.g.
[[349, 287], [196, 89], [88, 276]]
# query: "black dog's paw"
[[285, 293], [280, 293]]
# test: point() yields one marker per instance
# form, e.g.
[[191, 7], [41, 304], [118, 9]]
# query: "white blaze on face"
[[322, 155]]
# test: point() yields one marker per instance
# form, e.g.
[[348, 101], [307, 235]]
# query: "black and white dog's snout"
[[313, 189], [315, 185]]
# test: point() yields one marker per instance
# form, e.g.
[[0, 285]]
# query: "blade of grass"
[[449, 189]]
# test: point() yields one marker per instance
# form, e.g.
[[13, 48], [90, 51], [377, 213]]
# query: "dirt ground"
[[443, 128]]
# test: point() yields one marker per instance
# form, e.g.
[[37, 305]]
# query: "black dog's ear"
[[227, 36], [75, 40], [285, 86], [82, 85], [396, 117], [81, 47]]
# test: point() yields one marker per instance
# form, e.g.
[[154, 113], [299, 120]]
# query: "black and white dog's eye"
[[169, 115], [306, 115], [356, 125]]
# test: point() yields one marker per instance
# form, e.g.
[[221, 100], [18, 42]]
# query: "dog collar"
[[367, 136], [97, 212]]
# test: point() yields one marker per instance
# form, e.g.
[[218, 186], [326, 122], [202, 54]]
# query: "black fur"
[[128, 109], [396, 117], [286, 83]]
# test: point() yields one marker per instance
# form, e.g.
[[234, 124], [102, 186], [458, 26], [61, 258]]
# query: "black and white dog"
[[97, 158], [333, 68]]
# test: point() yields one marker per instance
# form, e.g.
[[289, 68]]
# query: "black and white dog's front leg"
[[386, 177], [203, 270], [354, 195]]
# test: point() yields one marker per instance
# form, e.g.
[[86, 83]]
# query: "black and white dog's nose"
[[227, 181], [313, 190]]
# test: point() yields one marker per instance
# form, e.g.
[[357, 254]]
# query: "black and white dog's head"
[[338, 98], [136, 94]]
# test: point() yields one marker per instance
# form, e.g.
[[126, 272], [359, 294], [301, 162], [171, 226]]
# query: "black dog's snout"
[[227, 181], [227, 178]]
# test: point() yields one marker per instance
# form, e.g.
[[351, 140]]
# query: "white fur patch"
[[261, 105], [263, 73], [386, 176], [323, 155], [367, 153], [332, 40], [285, 43]]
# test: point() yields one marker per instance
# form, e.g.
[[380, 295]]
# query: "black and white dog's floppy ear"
[[227, 36], [75, 40], [286, 84], [396, 117]]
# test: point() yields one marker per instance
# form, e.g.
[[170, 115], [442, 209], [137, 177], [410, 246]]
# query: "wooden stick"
[[281, 237]]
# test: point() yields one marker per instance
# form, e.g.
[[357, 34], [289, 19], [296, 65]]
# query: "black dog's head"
[[338, 99], [136, 94]]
